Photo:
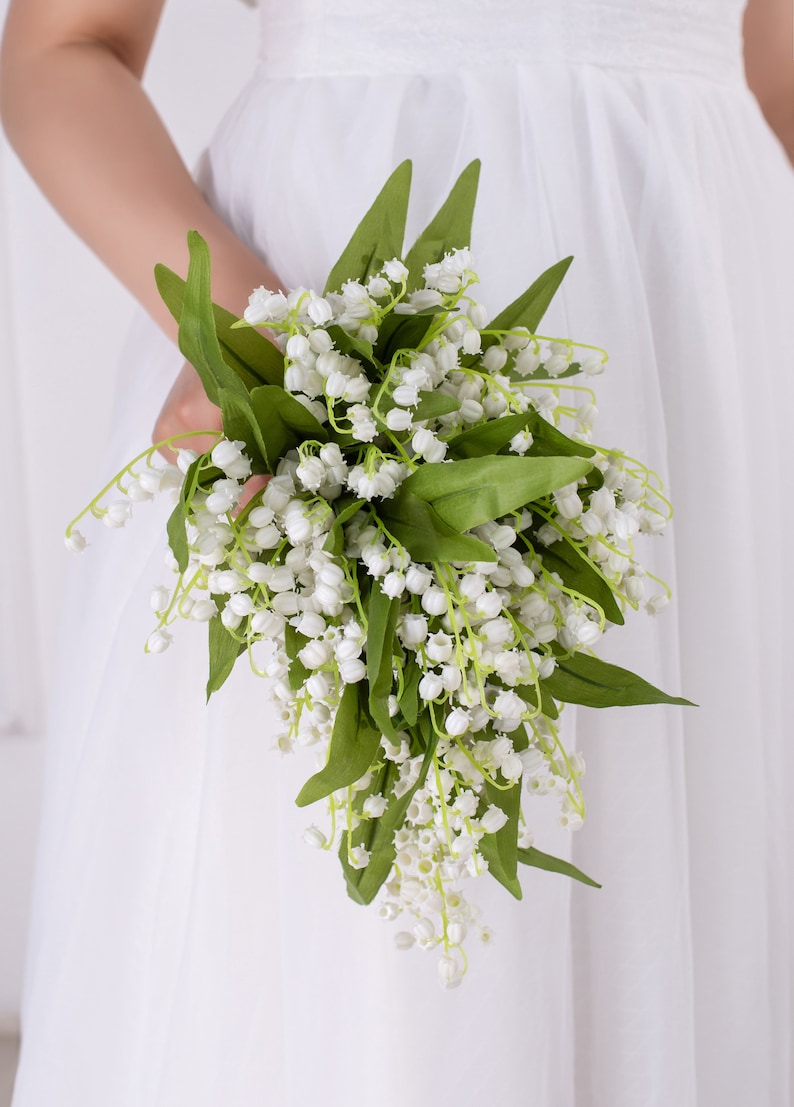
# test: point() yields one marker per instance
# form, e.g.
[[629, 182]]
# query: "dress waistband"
[[694, 38]]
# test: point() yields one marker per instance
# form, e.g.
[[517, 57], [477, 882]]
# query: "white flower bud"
[[431, 687], [76, 543], [406, 395], [457, 722], [313, 836], [185, 458], [352, 670], [493, 819], [117, 514], [268, 623], [414, 630], [398, 419], [418, 580], [203, 610], [159, 641], [434, 601], [374, 806], [404, 940]]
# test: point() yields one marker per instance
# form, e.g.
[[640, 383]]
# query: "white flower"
[[434, 601], [493, 819], [431, 687], [413, 630], [265, 307], [352, 671], [117, 514], [159, 641], [228, 456], [313, 836], [395, 271], [398, 419], [358, 857], [268, 623], [440, 647], [457, 722], [76, 543], [311, 473]]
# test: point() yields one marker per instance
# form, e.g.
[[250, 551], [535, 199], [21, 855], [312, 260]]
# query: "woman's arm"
[[73, 107], [769, 63]]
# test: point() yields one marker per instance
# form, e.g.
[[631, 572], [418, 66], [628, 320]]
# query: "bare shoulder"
[[125, 26]]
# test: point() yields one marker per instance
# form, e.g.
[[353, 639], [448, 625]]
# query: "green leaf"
[[283, 423], [293, 642], [379, 236], [489, 438], [240, 424], [468, 493], [414, 523], [578, 572], [353, 747], [530, 307], [351, 346], [500, 850], [382, 613], [377, 835], [409, 698], [450, 228], [197, 338], [548, 441], [528, 694], [176, 527], [430, 406], [595, 683], [539, 860], [404, 332], [254, 359], [177, 536], [335, 542], [224, 651]]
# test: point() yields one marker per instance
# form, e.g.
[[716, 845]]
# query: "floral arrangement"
[[432, 561]]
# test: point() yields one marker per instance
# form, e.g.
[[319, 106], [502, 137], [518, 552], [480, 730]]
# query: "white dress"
[[188, 950]]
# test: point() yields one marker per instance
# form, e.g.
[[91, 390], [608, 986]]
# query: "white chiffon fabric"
[[187, 947]]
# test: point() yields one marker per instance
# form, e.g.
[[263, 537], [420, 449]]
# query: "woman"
[[186, 948]]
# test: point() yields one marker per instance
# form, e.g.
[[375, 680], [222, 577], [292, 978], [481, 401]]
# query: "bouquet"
[[437, 552]]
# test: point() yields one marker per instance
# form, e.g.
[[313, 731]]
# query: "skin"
[[108, 165]]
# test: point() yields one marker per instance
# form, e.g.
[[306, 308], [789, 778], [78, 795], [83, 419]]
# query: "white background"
[[63, 320]]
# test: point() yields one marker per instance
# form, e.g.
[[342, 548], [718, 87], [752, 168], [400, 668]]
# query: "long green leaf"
[[550, 864], [595, 683], [579, 573], [254, 359], [283, 423], [240, 424], [530, 307], [293, 643], [414, 523], [500, 850], [198, 340], [382, 615], [377, 835], [450, 228], [353, 747], [224, 651], [379, 236], [468, 493], [335, 542]]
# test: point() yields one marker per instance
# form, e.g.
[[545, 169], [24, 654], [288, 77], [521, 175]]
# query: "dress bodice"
[[337, 37]]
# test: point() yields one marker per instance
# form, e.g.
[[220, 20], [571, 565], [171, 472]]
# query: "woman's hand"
[[186, 408]]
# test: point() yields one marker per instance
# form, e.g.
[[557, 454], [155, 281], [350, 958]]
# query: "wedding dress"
[[188, 950]]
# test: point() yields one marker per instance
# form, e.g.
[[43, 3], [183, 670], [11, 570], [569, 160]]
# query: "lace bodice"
[[314, 37]]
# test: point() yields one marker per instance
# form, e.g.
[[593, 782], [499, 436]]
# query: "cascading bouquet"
[[433, 559]]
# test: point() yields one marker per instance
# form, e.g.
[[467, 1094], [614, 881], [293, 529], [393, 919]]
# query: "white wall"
[[62, 322]]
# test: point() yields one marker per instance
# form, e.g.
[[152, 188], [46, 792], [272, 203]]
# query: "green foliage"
[[550, 864], [352, 749], [449, 229], [224, 651], [595, 683], [468, 493], [379, 235]]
